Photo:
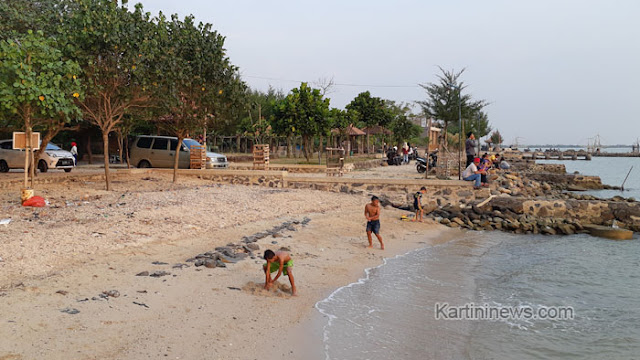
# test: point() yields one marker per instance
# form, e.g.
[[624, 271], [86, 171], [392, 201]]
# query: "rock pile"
[[234, 252], [474, 218]]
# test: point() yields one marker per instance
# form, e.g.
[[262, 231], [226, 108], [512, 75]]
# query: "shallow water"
[[391, 312], [612, 171]]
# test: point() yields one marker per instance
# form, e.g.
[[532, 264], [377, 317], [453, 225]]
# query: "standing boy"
[[372, 213], [281, 262], [417, 203]]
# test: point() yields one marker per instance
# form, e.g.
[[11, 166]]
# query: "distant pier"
[[556, 155]]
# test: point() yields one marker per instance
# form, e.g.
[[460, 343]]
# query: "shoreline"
[[318, 324], [196, 312]]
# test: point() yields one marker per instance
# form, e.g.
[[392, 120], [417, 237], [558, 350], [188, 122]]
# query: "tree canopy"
[[446, 101]]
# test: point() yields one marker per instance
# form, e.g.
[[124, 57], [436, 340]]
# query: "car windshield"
[[51, 146], [190, 143]]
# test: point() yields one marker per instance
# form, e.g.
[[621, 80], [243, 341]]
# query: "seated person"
[[472, 173]]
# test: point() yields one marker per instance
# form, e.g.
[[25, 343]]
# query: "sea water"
[[612, 171], [391, 312]]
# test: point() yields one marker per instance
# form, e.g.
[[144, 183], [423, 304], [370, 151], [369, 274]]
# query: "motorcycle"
[[393, 158], [421, 163]]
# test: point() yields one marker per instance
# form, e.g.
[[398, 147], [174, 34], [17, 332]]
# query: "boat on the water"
[[609, 232]]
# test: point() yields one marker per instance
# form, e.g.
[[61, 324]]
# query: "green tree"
[[446, 101], [304, 111], [191, 68], [403, 129], [20, 16], [115, 49], [37, 83], [370, 111], [496, 138]]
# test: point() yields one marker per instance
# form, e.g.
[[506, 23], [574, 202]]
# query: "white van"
[[159, 152], [53, 157]]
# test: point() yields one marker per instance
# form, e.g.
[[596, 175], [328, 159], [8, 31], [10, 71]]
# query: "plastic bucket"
[[26, 194]]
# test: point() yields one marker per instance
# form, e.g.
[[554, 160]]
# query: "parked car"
[[53, 157], [159, 152]]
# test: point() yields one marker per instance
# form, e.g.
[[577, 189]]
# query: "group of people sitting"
[[478, 169]]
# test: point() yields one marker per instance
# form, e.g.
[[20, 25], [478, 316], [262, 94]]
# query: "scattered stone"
[[159, 263], [210, 263], [180, 266], [221, 264], [62, 292], [274, 242], [141, 304], [70, 311], [199, 262], [143, 273], [111, 293], [253, 246], [159, 274], [233, 288], [284, 248]]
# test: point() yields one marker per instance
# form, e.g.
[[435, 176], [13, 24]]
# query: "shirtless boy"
[[372, 213], [281, 262]]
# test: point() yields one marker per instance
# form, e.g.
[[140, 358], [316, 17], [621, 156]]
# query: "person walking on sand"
[[281, 262], [74, 152], [372, 213], [417, 204]]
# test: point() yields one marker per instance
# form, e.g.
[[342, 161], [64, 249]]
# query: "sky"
[[554, 71]]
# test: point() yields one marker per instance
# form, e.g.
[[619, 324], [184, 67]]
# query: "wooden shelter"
[[355, 139]]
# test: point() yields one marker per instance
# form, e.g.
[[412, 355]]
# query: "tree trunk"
[[289, 147], [105, 147], [320, 148], [176, 159], [89, 153], [367, 151], [306, 144], [120, 146], [127, 152]]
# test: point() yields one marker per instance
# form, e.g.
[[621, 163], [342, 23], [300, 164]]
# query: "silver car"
[[159, 152], [53, 157]]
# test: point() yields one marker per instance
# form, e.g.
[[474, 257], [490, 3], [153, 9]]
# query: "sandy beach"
[[89, 241]]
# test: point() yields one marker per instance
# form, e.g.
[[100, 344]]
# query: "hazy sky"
[[555, 71]]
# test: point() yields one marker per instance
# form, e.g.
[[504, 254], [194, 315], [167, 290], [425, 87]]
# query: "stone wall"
[[586, 211], [294, 169], [276, 179], [41, 179], [567, 181], [531, 166]]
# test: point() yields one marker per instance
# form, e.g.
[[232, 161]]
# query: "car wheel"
[[4, 167], [42, 166], [67, 170], [144, 164]]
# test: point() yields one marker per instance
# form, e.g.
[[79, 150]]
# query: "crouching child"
[[281, 262]]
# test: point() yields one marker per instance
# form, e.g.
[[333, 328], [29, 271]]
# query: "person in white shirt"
[[74, 152], [471, 173]]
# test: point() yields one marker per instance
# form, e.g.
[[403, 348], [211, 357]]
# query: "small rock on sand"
[[159, 274], [144, 273], [70, 311]]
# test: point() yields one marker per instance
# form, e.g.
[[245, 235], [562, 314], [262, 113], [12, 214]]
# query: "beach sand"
[[90, 241]]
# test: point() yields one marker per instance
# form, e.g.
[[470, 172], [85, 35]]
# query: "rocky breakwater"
[[523, 205]]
